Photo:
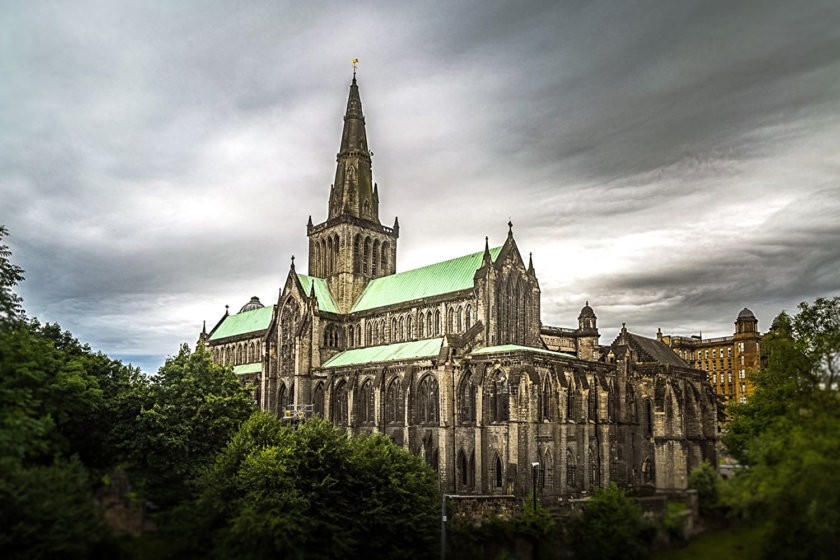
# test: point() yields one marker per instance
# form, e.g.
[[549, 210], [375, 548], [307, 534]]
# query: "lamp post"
[[534, 478]]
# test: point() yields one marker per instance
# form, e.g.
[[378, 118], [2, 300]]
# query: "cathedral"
[[453, 362]]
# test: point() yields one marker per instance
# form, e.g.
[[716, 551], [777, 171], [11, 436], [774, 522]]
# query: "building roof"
[[389, 353], [251, 305], [746, 314], [651, 350], [247, 368], [516, 347], [243, 323], [432, 280], [322, 292]]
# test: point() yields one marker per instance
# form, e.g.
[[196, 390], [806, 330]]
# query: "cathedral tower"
[[351, 247]]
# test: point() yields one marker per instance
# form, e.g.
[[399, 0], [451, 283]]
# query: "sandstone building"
[[452, 361], [726, 359]]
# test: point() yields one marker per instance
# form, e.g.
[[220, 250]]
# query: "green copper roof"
[[247, 368], [516, 347], [432, 280], [243, 323], [388, 353], [322, 292]]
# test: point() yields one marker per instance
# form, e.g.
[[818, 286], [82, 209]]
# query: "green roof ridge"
[[243, 323], [247, 368], [431, 280], [426, 348], [322, 292]]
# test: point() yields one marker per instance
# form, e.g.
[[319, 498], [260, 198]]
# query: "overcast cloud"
[[671, 162]]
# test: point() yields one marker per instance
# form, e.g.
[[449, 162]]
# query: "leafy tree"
[[275, 492], [10, 276], [192, 408], [705, 479], [788, 435], [610, 527]]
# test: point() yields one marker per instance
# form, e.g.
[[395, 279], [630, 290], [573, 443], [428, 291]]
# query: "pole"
[[535, 488]]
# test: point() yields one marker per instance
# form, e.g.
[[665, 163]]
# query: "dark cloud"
[[671, 162]]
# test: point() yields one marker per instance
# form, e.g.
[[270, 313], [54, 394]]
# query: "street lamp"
[[534, 478]]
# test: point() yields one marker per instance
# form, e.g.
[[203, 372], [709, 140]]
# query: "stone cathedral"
[[452, 361]]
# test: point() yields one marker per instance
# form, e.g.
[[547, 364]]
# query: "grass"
[[741, 543]]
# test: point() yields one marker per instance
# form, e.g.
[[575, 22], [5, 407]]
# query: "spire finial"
[[531, 263], [293, 262], [227, 307], [355, 62], [587, 302], [204, 327]]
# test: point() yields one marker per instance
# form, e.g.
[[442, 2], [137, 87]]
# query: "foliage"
[[48, 511], [610, 526], [788, 437], [275, 492], [673, 519], [10, 276], [190, 410], [740, 543], [705, 479]]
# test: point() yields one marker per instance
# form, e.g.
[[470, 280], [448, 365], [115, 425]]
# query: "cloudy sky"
[[671, 162]]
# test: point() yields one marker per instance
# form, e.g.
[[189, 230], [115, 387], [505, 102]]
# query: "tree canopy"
[[788, 436]]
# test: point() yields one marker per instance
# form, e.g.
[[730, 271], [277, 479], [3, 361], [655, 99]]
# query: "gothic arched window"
[[594, 468], [394, 331], [647, 472], [427, 400], [468, 317], [571, 469], [394, 410], [383, 261], [421, 325], [548, 406], [318, 400], [409, 328], [338, 403], [367, 403], [498, 472], [357, 253], [430, 328], [366, 261], [467, 399], [437, 322], [498, 401], [282, 399], [548, 468], [450, 321], [374, 267]]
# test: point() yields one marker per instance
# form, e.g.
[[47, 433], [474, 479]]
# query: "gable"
[[322, 292], [432, 280]]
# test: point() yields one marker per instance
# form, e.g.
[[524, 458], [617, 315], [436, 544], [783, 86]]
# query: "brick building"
[[452, 361], [726, 359]]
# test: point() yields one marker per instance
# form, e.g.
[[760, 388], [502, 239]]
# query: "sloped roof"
[[516, 347], [322, 292], [247, 368], [390, 352], [432, 280], [656, 351], [243, 323]]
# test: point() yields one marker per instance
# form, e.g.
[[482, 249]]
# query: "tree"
[[276, 492], [10, 276], [610, 527], [192, 408], [788, 436], [705, 479]]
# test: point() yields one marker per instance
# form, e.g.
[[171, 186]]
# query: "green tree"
[[705, 479], [192, 408], [788, 435], [275, 492], [610, 527], [10, 276]]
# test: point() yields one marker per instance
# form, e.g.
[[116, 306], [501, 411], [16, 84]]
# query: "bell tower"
[[352, 247]]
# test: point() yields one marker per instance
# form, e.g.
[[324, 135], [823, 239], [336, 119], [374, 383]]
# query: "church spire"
[[352, 192]]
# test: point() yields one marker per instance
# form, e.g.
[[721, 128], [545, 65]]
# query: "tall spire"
[[352, 192]]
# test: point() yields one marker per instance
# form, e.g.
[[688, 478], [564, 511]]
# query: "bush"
[[705, 479]]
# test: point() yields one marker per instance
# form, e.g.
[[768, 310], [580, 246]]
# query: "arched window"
[[383, 261], [592, 412], [649, 417], [381, 339], [357, 253], [351, 336], [427, 400], [394, 410], [393, 329], [338, 402], [647, 471], [358, 335], [450, 321], [467, 399], [548, 407], [466, 470], [409, 328], [367, 404], [437, 322], [374, 268], [571, 405], [336, 245], [459, 319], [318, 400], [421, 325], [594, 468], [498, 401], [548, 468], [468, 317], [282, 399], [368, 335], [402, 328], [497, 475], [325, 258], [430, 327], [366, 261], [571, 468]]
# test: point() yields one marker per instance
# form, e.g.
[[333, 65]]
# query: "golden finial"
[[355, 62]]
